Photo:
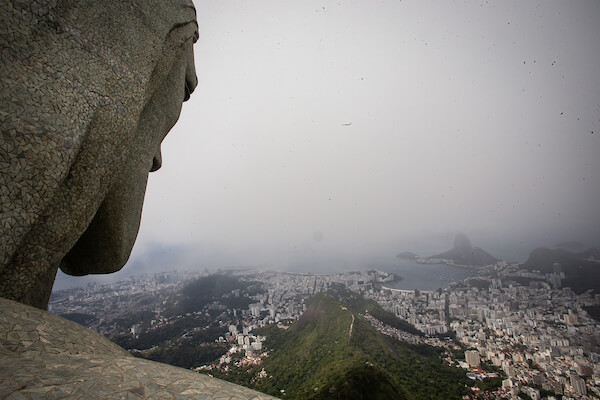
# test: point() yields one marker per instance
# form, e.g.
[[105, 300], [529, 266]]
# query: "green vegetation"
[[360, 305], [168, 334], [490, 383], [186, 337], [581, 272], [80, 318], [594, 312], [360, 382], [228, 290], [334, 353], [140, 317], [187, 355]]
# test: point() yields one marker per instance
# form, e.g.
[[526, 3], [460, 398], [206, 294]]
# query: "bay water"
[[425, 276]]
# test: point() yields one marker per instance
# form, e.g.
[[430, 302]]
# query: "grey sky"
[[465, 116]]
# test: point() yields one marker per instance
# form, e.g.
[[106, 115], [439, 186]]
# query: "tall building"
[[578, 385], [555, 280], [256, 346], [510, 371], [255, 309], [557, 268], [472, 358], [233, 329], [571, 318]]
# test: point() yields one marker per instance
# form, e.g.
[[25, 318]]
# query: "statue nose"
[[156, 161]]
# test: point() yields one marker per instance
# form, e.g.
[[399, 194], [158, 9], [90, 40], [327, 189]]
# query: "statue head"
[[90, 90]]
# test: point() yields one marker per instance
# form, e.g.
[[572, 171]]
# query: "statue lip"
[[157, 160], [191, 82], [188, 91]]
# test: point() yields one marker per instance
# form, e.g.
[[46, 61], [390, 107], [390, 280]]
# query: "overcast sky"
[[340, 129]]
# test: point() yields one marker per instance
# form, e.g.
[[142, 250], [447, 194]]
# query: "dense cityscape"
[[517, 328]]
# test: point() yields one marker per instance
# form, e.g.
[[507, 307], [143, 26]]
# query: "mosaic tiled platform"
[[43, 356]]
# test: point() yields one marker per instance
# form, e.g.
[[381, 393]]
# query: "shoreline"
[[446, 262]]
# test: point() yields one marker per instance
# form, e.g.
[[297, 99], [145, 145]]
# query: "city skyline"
[[513, 329]]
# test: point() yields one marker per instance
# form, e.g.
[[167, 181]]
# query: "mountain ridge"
[[582, 270], [333, 352]]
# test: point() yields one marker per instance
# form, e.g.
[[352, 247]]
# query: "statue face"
[[107, 243], [87, 101]]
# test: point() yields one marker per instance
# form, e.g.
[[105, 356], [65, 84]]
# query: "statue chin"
[[107, 243]]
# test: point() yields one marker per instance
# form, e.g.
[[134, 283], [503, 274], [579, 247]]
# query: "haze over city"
[[333, 134]]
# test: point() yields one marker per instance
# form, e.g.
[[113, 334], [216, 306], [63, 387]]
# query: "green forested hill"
[[334, 353], [360, 305]]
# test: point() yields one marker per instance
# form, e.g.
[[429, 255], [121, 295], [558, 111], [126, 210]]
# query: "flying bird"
[[347, 124]]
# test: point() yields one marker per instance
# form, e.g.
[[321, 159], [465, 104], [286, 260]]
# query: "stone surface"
[[45, 356], [89, 90]]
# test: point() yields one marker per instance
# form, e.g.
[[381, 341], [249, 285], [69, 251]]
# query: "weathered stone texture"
[[45, 356], [89, 90]]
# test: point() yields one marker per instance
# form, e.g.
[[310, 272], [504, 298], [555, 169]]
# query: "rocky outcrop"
[[464, 253]]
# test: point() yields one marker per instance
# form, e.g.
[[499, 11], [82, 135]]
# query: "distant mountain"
[[582, 270], [464, 253], [573, 246], [407, 255], [332, 352], [593, 253]]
